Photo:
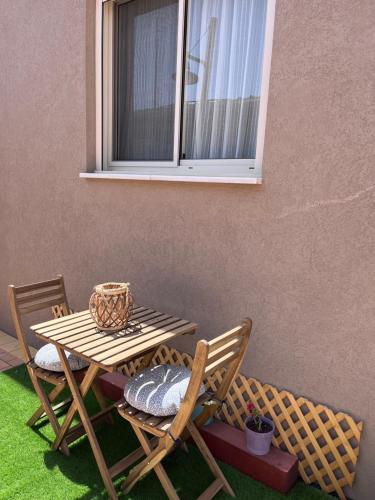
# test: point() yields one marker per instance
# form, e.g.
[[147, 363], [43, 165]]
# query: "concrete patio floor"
[[10, 354]]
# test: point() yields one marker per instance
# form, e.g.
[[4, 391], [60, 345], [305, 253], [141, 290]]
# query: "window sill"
[[170, 178]]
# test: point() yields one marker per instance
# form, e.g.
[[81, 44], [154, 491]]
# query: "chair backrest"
[[226, 351], [34, 297]]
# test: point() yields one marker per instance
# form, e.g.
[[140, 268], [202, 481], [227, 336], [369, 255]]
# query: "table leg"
[[80, 406], [84, 388]]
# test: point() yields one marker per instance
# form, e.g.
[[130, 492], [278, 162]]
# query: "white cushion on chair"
[[48, 358], [159, 390]]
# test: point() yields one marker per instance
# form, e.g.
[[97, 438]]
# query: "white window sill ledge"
[[170, 178]]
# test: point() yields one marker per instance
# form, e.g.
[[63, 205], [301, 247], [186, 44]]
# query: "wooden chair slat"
[[122, 403], [221, 361], [36, 286], [165, 424], [148, 420], [33, 297], [41, 305], [153, 421], [131, 411], [223, 349], [18, 310], [142, 417], [131, 414], [52, 377], [224, 338]]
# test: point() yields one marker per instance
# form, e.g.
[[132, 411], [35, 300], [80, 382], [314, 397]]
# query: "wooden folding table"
[[104, 351]]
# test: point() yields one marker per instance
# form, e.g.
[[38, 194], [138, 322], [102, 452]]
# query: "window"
[[182, 86]]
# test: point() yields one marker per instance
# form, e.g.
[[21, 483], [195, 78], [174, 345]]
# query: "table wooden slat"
[[79, 334], [71, 319], [89, 329], [98, 344], [145, 334], [55, 323], [146, 327], [77, 320], [146, 346], [78, 341]]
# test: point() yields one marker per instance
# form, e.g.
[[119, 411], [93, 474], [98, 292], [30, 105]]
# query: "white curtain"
[[224, 56]]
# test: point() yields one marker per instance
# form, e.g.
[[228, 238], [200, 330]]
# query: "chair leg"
[[48, 409], [207, 455], [141, 469], [51, 398], [159, 469]]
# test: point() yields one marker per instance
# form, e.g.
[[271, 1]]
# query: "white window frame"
[[248, 169]]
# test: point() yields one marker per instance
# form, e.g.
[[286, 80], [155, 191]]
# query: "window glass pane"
[[223, 67], [145, 83]]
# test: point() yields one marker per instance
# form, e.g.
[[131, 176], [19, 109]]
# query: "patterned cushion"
[[159, 390], [48, 358]]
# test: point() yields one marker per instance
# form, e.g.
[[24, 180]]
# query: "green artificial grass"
[[29, 469]]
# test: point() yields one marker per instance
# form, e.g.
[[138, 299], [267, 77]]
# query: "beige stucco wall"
[[297, 254]]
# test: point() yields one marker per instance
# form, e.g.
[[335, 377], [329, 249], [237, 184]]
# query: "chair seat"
[[158, 426], [53, 377], [159, 390], [47, 358]]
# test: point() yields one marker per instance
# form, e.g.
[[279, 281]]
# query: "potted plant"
[[259, 431]]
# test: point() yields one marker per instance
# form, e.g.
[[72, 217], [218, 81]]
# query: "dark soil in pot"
[[266, 427]]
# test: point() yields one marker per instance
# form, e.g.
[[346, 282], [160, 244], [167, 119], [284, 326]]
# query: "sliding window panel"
[[146, 33], [222, 78]]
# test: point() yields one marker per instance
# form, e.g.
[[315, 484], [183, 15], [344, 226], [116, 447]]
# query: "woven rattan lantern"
[[111, 305]]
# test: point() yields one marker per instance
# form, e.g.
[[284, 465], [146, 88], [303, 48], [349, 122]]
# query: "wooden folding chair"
[[27, 299], [226, 351]]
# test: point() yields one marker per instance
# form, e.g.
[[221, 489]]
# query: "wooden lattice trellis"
[[58, 311], [325, 442]]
